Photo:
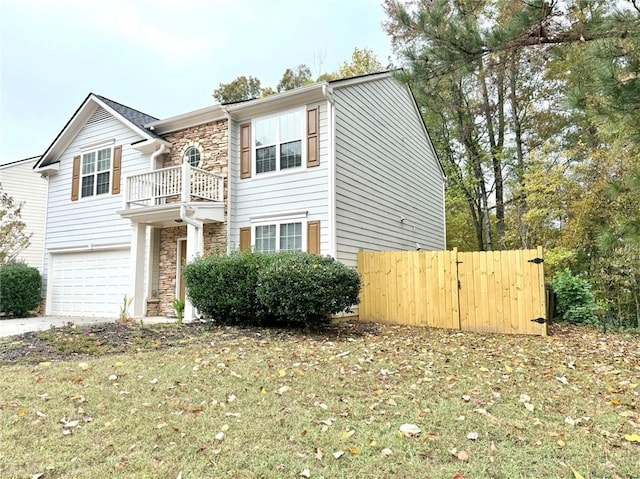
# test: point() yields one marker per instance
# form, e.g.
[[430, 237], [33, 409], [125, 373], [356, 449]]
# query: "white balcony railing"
[[177, 183]]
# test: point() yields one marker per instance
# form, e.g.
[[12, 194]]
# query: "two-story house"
[[329, 168]]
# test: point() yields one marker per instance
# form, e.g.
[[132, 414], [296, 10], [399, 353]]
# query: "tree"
[[13, 237], [291, 79], [240, 89], [479, 69], [363, 61]]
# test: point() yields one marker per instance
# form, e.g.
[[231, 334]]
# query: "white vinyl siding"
[[30, 189], [385, 170], [91, 222], [303, 189]]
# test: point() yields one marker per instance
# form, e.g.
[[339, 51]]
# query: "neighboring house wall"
[[30, 190], [385, 169], [91, 222], [303, 189]]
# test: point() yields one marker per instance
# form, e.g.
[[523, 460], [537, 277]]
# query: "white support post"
[[195, 241], [186, 182], [138, 247]]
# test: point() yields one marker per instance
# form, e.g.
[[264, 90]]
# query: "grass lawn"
[[252, 403]]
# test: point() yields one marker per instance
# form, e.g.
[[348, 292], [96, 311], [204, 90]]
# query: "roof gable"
[[130, 117]]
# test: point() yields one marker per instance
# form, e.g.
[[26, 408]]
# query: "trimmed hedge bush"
[[224, 287], [19, 289], [574, 299], [266, 289], [298, 288]]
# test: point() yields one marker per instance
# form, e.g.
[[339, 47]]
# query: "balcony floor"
[[169, 214]]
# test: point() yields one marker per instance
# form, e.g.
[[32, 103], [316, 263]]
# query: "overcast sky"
[[163, 57]]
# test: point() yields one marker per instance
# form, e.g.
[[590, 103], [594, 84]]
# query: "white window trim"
[[277, 221], [303, 145], [95, 150]]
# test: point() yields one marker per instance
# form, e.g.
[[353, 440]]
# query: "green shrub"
[[223, 287], [574, 299], [282, 288], [298, 288], [19, 289]]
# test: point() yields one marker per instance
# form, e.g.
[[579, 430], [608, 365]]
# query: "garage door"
[[89, 283]]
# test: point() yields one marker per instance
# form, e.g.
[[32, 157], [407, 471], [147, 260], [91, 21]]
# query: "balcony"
[[155, 197]]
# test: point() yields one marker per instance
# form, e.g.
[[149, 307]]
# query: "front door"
[[182, 261]]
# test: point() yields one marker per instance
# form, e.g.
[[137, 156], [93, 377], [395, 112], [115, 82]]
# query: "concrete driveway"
[[12, 327]]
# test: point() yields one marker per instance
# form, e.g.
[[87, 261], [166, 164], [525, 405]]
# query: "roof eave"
[[77, 120]]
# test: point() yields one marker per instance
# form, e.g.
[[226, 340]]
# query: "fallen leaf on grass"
[[562, 379], [632, 437], [410, 430], [305, 473], [530, 407], [386, 452], [318, 453], [576, 474], [283, 390], [459, 476], [472, 436], [463, 456], [354, 451], [347, 434], [338, 454]]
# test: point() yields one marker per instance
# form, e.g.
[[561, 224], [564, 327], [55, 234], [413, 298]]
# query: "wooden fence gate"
[[496, 291]]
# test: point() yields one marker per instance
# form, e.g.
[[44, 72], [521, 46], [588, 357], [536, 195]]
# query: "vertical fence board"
[[498, 291]]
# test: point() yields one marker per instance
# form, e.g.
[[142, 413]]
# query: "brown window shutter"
[[313, 237], [75, 179], [245, 239], [313, 138], [245, 150], [117, 169]]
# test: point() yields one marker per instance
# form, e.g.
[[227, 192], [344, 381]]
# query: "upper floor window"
[[278, 141], [192, 155], [96, 172]]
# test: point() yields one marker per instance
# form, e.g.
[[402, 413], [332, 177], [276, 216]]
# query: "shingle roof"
[[136, 117]]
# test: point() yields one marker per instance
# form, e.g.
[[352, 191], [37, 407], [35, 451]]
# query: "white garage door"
[[89, 283]]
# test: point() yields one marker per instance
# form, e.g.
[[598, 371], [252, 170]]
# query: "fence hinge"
[[539, 320], [536, 261]]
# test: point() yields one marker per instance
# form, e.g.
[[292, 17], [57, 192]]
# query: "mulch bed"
[[75, 342]]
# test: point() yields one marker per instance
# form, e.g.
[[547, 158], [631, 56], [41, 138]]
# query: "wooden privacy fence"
[[496, 291]]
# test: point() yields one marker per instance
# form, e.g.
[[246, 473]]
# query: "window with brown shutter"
[[117, 167], [75, 179], [245, 239], [245, 150], [313, 237], [313, 138]]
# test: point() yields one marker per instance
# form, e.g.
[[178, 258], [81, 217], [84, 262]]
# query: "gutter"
[[327, 91]]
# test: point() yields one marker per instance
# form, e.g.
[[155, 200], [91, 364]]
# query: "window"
[[96, 172], [278, 142], [192, 155], [279, 237], [288, 232]]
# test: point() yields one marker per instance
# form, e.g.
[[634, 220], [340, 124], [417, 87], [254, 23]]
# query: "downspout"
[[189, 311], [328, 94], [229, 179], [154, 156]]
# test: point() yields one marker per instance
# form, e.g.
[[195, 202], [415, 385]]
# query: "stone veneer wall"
[[212, 141], [215, 241]]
